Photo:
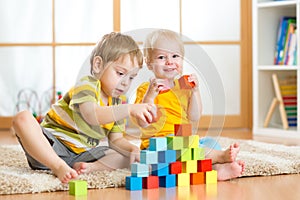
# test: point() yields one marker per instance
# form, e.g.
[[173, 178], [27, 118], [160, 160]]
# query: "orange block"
[[150, 182], [184, 83], [197, 178], [183, 129]]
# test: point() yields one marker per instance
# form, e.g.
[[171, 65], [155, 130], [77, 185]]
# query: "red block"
[[175, 167], [197, 178], [204, 165], [183, 129], [150, 182], [184, 83]]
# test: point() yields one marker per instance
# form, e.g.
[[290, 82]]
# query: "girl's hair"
[[113, 46], [158, 35]]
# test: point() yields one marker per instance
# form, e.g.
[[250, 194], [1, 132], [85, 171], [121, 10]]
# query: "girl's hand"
[[156, 86], [193, 78]]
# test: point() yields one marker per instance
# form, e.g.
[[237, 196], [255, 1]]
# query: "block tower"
[[172, 161]]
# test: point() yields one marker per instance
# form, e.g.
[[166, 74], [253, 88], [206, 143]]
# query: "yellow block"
[[183, 179], [211, 177], [189, 166], [191, 141]]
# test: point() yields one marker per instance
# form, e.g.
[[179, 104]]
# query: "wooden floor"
[[267, 187]]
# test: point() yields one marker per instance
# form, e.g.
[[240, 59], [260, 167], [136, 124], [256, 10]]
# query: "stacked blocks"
[[172, 161], [77, 187]]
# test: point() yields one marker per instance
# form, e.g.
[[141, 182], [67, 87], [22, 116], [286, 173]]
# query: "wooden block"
[[204, 165], [167, 181], [211, 176], [133, 183], [160, 169], [184, 154], [183, 129], [197, 178], [189, 166], [158, 144], [139, 170], [174, 142], [198, 153], [191, 141], [78, 187], [183, 179], [184, 83], [175, 167], [150, 182], [167, 156], [148, 157]]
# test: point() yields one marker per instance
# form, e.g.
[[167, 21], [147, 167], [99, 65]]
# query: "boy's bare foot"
[[81, 167], [65, 173], [228, 171]]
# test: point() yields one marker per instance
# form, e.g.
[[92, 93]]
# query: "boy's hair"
[[161, 34], [114, 45]]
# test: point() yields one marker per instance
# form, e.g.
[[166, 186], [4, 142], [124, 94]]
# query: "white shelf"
[[266, 16]]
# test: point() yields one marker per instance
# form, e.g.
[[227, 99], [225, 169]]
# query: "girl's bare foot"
[[65, 173], [231, 152], [228, 171]]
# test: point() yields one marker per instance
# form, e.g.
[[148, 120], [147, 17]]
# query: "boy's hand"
[[143, 114], [134, 155]]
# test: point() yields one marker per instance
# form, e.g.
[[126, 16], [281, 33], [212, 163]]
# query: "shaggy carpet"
[[261, 159]]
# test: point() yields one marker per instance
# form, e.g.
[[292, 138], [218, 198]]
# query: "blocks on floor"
[[78, 187]]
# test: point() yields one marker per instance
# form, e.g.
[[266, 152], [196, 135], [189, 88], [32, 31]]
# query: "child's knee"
[[21, 118]]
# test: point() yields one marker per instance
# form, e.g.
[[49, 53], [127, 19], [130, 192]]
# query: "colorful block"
[[183, 129], [139, 170], [167, 181], [191, 141], [175, 167], [167, 156], [184, 154], [158, 144], [211, 177], [204, 165], [197, 178], [189, 166], [174, 142], [148, 157], [133, 183], [150, 182], [183, 179], [198, 153], [78, 187], [184, 83], [160, 169]]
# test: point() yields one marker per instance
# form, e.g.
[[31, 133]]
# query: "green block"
[[184, 154], [78, 187], [198, 153], [174, 142], [191, 141]]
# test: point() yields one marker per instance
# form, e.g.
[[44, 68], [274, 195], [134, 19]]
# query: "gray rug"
[[261, 159]]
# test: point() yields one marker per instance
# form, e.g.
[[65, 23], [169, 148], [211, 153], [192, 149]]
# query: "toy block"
[[175, 167], [189, 166], [167, 156], [198, 153], [133, 183], [160, 169], [167, 181], [150, 182], [204, 165], [139, 170], [183, 179], [183, 129], [211, 177], [148, 157], [191, 141], [184, 154], [197, 178], [78, 187], [174, 142], [184, 83], [158, 144]]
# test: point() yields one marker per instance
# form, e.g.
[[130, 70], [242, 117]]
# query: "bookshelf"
[[266, 18]]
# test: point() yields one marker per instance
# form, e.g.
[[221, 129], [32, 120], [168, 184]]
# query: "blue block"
[[158, 144], [139, 170], [167, 156], [160, 169], [167, 181], [148, 157], [133, 183]]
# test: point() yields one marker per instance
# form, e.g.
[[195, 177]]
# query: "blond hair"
[[159, 35], [115, 45]]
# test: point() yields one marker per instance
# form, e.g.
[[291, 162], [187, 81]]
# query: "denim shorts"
[[66, 154]]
